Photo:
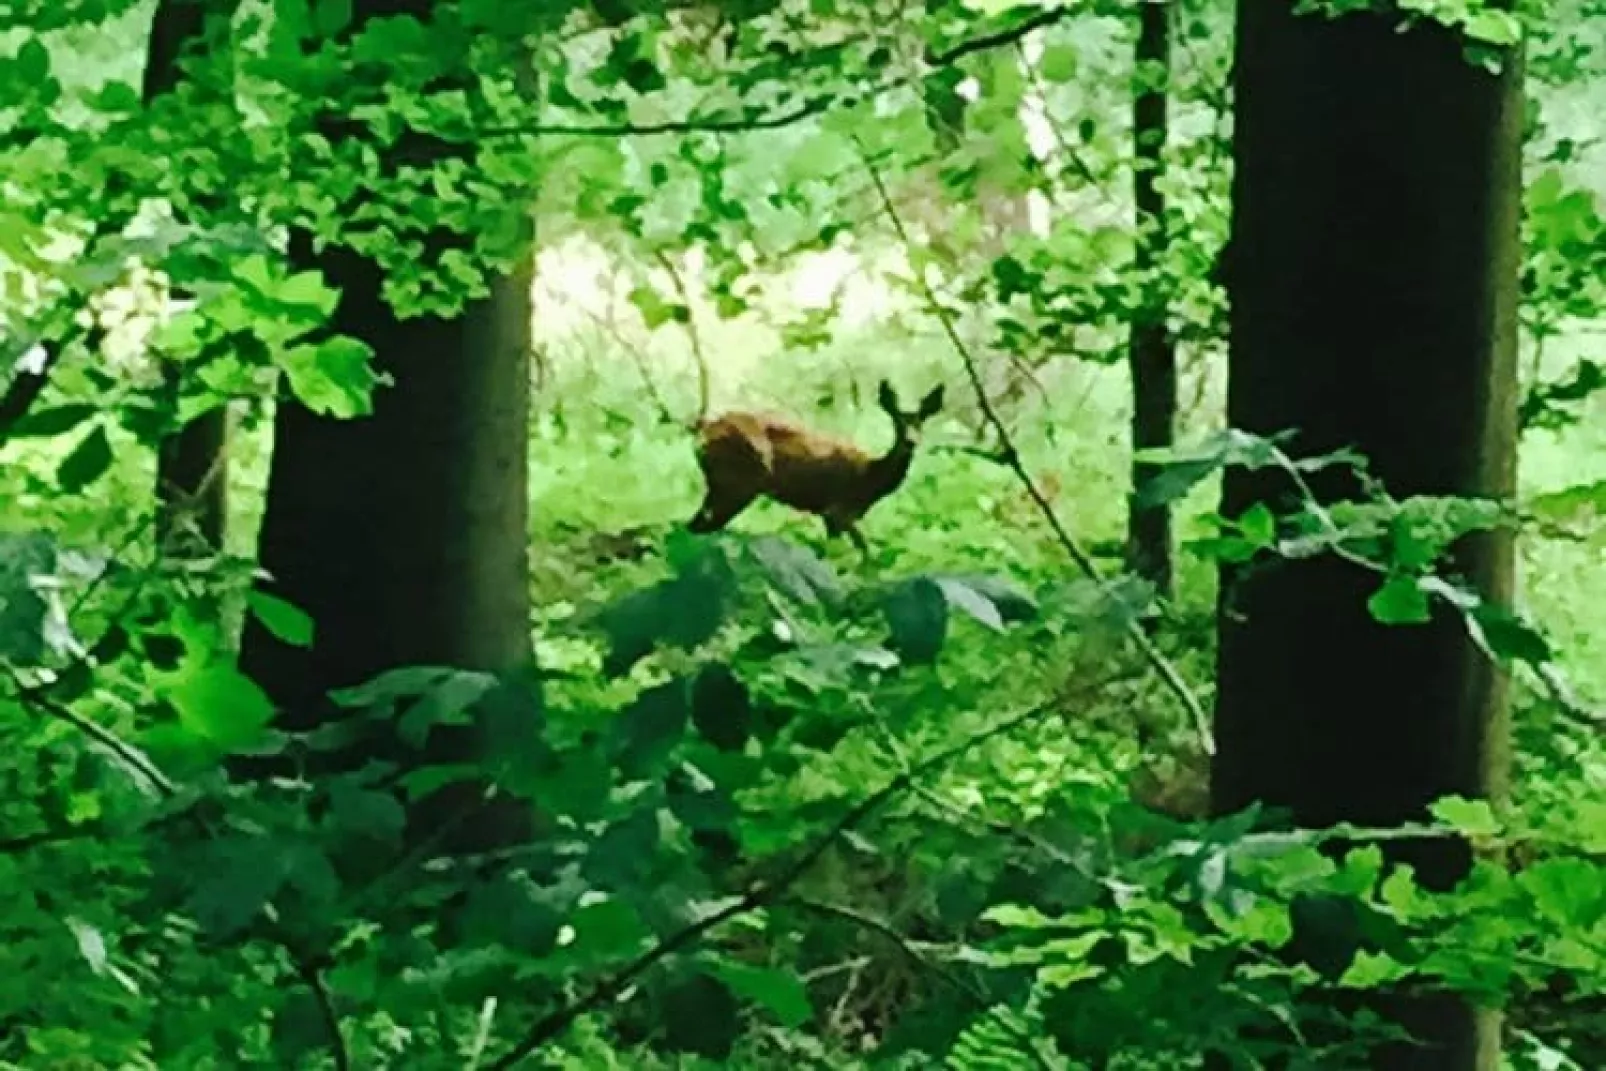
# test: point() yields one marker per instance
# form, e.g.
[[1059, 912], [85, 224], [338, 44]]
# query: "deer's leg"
[[837, 526], [719, 510]]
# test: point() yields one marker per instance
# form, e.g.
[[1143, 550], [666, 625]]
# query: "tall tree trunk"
[[1152, 351], [404, 534], [1374, 284], [191, 464]]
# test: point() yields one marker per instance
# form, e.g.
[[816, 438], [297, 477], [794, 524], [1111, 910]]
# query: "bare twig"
[[1167, 672], [693, 335], [761, 894]]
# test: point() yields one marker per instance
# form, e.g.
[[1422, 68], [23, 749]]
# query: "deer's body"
[[746, 456]]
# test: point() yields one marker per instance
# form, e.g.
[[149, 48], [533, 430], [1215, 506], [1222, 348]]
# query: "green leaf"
[[1400, 601], [365, 812], [223, 705], [329, 17], [649, 728], [1059, 64], [286, 622], [781, 993], [450, 700], [721, 709], [917, 616], [87, 462], [1509, 637], [48, 423], [33, 61], [299, 1027], [1258, 525], [962, 596], [701, 1016], [796, 570], [236, 876], [1469, 817], [334, 377], [607, 929]]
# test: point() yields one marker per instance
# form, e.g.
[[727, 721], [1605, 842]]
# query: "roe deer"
[[746, 456]]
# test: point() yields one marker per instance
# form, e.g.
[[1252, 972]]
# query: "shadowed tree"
[[1374, 287], [1152, 353], [404, 534], [192, 463]]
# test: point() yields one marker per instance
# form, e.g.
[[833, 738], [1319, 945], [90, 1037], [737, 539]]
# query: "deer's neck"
[[886, 473]]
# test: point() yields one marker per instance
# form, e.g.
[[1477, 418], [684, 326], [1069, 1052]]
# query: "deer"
[[745, 456]]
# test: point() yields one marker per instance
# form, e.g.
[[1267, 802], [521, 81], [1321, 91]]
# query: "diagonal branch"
[[551, 1026], [1167, 672]]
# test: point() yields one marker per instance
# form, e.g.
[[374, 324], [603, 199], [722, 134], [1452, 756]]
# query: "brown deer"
[[746, 456]]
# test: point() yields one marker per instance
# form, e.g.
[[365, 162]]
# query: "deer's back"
[[771, 455]]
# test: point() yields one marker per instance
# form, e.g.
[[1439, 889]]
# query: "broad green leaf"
[[287, 623], [334, 377], [721, 709], [1400, 601], [701, 1016], [220, 703], [237, 876], [1059, 64], [781, 993], [917, 615], [961, 596], [365, 812], [87, 463], [1472, 817], [650, 727], [47, 423]]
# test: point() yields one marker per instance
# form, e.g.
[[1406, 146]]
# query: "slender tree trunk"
[[1374, 282], [192, 463], [404, 534], [1152, 351]]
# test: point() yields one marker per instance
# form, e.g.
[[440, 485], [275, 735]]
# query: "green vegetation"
[[360, 717]]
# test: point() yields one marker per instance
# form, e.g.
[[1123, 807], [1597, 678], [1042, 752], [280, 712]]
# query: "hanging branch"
[[1167, 672]]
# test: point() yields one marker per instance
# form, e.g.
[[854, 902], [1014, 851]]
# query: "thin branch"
[[130, 755], [693, 335], [1167, 672], [757, 120], [313, 978], [761, 894]]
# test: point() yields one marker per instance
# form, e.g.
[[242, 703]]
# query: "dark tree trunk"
[[1152, 351], [192, 463], [404, 534], [1374, 285]]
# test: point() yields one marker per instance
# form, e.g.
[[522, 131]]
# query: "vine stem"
[[1009, 455]]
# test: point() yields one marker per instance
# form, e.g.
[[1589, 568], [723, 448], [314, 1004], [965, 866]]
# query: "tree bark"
[[1152, 351], [404, 534], [192, 463], [1374, 284]]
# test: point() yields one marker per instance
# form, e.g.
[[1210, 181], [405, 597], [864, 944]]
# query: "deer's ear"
[[886, 397], [932, 402]]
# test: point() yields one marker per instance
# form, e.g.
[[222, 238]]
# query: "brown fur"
[[746, 456]]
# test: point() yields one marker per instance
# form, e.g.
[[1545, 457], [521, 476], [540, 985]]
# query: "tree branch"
[[758, 119], [1168, 673], [761, 894]]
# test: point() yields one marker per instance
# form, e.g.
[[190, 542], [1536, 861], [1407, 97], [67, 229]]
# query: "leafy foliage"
[[927, 808]]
